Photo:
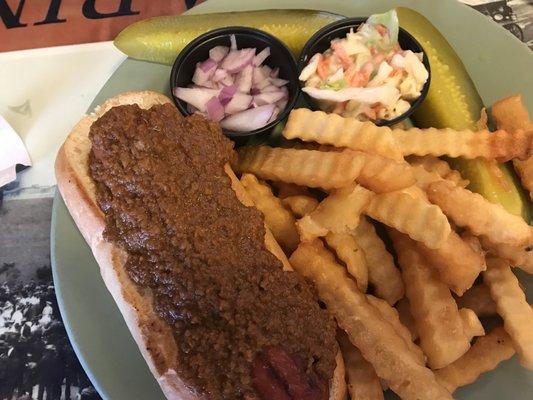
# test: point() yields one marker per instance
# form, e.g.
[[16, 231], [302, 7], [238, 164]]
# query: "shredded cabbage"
[[337, 85], [337, 76], [415, 68], [367, 71], [383, 72], [310, 68], [388, 20], [386, 95], [353, 44]]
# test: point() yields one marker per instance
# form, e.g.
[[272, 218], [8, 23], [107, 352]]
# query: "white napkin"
[[12, 152]]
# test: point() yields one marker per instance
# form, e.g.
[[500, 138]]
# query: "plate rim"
[[58, 201]]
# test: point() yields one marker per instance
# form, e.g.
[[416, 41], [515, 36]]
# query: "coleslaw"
[[366, 75]]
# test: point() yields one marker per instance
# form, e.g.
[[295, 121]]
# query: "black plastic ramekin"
[[198, 51], [321, 41]]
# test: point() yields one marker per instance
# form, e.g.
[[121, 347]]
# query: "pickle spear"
[[454, 102], [160, 39]]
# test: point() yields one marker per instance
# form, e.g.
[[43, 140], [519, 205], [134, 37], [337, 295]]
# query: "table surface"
[[43, 92]]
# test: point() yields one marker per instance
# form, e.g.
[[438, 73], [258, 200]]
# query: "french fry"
[[270, 242], [337, 213], [338, 381], [471, 323], [390, 314], [383, 275], [440, 167], [478, 299], [413, 216], [473, 242], [277, 218], [456, 263], [349, 252], [381, 174], [406, 318], [274, 247], [361, 378], [323, 128], [319, 169], [512, 306], [500, 145], [284, 189], [423, 177], [300, 204], [374, 337], [483, 121], [473, 211], [434, 310], [519, 256], [484, 355], [416, 192], [511, 114]]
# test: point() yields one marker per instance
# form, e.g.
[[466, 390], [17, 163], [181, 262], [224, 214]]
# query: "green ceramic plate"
[[498, 64]]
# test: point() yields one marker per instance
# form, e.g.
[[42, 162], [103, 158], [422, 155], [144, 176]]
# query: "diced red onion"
[[201, 77], [244, 79], [262, 56], [228, 80], [278, 82], [227, 94], [258, 77], [208, 64], [191, 109], [262, 84], [239, 102], [195, 96], [268, 98], [233, 87], [236, 60], [207, 85], [274, 115], [269, 88], [282, 104], [248, 120], [266, 70], [218, 53], [219, 75], [215, 110], [233, 42]]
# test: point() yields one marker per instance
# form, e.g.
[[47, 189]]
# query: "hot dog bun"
[[153, 336]]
